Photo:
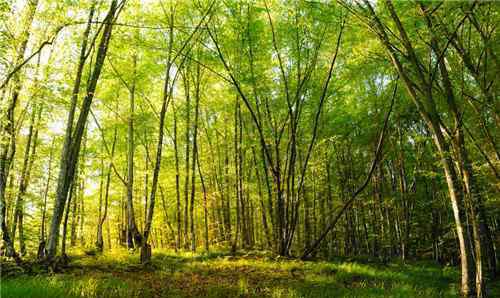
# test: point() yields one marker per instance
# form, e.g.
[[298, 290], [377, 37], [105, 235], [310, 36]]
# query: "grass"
[[118, 274]]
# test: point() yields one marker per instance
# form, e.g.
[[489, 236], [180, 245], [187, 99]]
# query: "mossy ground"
[[117, 274]]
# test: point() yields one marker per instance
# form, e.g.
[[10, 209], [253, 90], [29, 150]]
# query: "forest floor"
[[118, 274]]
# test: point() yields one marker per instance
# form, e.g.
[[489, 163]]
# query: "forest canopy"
[[309, 129]]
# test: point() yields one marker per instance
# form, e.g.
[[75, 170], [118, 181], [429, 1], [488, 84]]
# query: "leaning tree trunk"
[[427, 109], [484, 250], [70, 154], [146, 248]]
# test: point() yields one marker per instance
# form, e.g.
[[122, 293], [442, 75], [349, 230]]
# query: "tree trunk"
[[186, 165], [41, 243], [427, 110], [194, 160], [24, 180], [205, 207], [102, 219], [7, 129], [73, 139], [265, 225], [132, 231], [177, 182], [71, 196], [146, 248]]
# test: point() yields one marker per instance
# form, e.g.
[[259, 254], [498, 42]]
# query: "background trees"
[[251, 125]]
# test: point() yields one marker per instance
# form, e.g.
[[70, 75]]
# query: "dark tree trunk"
[[71, 196]]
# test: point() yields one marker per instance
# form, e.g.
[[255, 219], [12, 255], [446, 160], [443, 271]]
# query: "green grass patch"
[[118, 274]]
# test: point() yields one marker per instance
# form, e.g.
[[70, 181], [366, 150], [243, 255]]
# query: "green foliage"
[[278, 52]]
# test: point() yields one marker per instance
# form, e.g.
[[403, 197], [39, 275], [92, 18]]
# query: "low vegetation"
[[250, 274]]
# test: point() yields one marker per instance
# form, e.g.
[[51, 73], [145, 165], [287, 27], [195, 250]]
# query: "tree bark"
[[205, 206], [132, 231], [427, 109], [102, 219], [41, 245], [24, 179], [71, 196], [186, 163], [178, 213], [73, 139], [194, 160], [146, 248], [7, 129]]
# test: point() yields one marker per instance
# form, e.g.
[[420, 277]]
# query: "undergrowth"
[[118, 274]]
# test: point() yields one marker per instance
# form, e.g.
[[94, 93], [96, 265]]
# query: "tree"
[[73, 138], [8, 144]]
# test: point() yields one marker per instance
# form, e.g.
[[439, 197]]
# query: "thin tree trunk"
[[378, 156], [71, 195], [205, 206], [227, 206], [265, 225], [146, 248], [177, 182], [29, 156], [186, 164], [41, 245], [102, 218], [195, 153], [7, 129], [132, 231]]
